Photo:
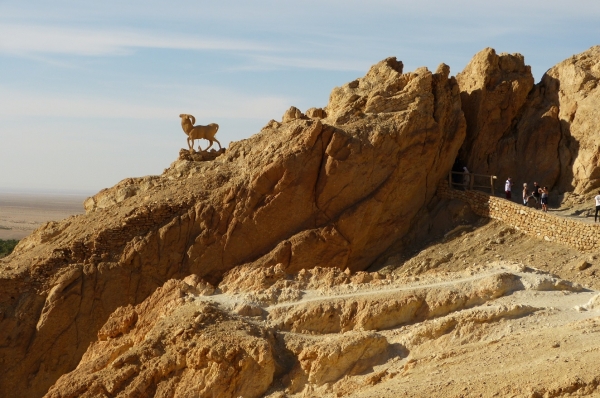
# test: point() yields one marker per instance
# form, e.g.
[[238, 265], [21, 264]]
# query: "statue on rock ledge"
[[198, 132]]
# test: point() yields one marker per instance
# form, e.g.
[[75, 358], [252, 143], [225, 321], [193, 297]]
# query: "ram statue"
[[198, 132]]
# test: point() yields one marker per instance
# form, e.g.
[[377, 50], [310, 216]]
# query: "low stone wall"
[[577, 234]]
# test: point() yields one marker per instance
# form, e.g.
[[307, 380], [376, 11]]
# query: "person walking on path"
[[536, 193], [545, 199], [508, 187], [525, 194], [597, 206]]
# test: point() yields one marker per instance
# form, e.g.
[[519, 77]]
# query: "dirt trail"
[[316, 295]]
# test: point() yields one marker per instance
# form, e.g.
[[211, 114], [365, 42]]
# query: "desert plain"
[[21, 213]]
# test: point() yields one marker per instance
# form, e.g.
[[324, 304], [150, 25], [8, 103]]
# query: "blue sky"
[[90, 92]]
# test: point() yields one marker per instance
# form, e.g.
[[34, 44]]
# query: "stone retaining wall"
[[577, 234]]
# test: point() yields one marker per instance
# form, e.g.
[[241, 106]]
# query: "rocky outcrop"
[[494, 89], [337, 188], [187, 164], [326, 359], [170, 346], [389, 308], [200, 156], [575, 83], [340, 188], [123, 190], [546, 133], [189, 340]]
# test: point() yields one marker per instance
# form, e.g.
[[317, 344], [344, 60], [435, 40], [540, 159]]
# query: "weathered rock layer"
[[334, 192], [548, 132], [339, 188], [180, 342]]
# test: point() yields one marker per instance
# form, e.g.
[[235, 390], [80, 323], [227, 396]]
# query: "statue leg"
[[190, 144], [220, 147], [208, 147]]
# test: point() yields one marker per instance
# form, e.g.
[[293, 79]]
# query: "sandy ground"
[[550, 352], [21, 214], [540, 340], [548, 347], [484, 312]]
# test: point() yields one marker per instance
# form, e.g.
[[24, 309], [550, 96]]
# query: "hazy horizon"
[[47, 191], [90, 92]]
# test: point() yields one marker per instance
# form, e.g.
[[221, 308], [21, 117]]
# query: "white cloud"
[[27, 39], [210, 101], [40, 42], [266, 62]]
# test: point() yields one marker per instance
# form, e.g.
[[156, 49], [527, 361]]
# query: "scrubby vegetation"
[[7, 246]]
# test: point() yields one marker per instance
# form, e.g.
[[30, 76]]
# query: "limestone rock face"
[[339, 333], [123, 190], [187, 163], [575, 83], [547, 133], [181, 342], [327, 359], [316, 113], [173, 349], [292, 114], [494, 88], [337, 191]]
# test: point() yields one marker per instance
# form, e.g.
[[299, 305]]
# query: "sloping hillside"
[[241, 273]]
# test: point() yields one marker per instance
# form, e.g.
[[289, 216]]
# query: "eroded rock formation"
[[547, 133], [576, 83], [123, 299], [334, 191], [167, 347], [183, 342], [494, 89]]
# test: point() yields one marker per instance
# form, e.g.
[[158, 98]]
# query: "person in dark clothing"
[[545, 195], [536, 192]]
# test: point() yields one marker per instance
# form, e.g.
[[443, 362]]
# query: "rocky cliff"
[[494, 89], [548, 132], [326, 332], [575, 83], [200, 274], [335, 190]]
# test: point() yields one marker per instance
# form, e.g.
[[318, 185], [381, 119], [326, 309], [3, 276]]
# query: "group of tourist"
[[537, 193], [540, 195]]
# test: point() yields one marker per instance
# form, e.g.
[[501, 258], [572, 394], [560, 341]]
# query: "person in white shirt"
[[508, 188], [466, 177], [597, 206]]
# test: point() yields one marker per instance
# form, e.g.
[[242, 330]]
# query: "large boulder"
[[575, 83], [170, 345], [336, 191], [494, 89], [548, 132]]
